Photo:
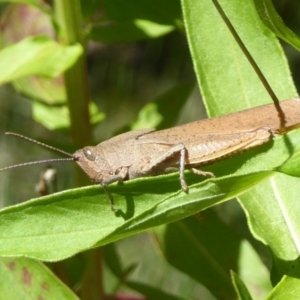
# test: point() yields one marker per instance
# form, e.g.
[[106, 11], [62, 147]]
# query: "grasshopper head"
[[92, 161]]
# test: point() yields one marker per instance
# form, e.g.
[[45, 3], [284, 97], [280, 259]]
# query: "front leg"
[[120, 176], [110, 197]]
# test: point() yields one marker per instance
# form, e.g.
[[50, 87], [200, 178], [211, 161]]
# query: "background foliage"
[[127, 65]]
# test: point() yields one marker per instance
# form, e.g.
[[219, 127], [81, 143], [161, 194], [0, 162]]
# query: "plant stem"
[[70, 32], [68, 17]]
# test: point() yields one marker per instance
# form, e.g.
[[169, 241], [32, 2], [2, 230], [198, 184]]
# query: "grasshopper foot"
[[202, 173]]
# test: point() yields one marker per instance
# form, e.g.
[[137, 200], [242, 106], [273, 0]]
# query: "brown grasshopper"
[[148, 152]]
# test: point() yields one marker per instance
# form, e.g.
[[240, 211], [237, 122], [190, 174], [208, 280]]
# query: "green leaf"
[[50, 91], [273, 21], [23, 278], [80, 219], [240, 287], [276, 222], [36, 56], [286, 289], [57, 117], [289, 284], [153, 29], [52, 117], [20, 21], [228, 83]]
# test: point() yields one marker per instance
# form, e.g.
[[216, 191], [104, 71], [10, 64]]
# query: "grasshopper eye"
[[89, 154]]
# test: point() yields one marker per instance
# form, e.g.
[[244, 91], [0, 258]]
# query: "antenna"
[[51, 160], [251, 60]]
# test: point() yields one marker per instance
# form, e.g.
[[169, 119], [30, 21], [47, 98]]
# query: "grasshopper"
[[148, 152]]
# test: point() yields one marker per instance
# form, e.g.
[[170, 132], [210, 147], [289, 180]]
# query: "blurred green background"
[[123, 78]]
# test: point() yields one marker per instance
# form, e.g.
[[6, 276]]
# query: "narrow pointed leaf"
[[273, 21]]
